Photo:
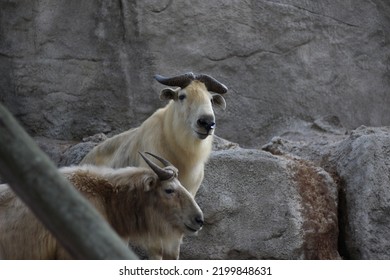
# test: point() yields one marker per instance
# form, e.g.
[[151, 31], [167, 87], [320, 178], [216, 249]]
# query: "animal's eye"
[[182, 97], [169, 191]]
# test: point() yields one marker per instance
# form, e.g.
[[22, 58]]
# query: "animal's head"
[[172, 200], [194, 99]]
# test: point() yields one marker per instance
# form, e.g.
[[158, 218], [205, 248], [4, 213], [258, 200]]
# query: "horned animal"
[[145, 206], [181, 132]]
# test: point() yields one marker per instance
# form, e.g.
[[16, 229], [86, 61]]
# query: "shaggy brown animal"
[[144, 206]]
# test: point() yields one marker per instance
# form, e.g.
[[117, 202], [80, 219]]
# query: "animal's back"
[[16, 220], [105, 153], [122, 150]]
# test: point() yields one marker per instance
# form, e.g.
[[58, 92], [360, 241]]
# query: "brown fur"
[[132, 200]]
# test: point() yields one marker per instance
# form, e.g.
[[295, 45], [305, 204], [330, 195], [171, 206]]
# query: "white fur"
[[170, 133]]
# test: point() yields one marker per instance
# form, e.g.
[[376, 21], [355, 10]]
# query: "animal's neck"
[[181, 141], [132, 213], [125, 214], [117, 203]]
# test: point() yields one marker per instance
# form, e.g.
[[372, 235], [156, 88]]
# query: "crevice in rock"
[[326, 16], [342, 214], [163, 8], [314, 13], [128, 20], [242, 55], [9, 56], [235, 254], [122, 19]]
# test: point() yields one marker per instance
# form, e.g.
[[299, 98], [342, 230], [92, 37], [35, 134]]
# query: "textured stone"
[[363, 164], [75, 153], [314, 141], [69, 70], [359, 163], [259, 206]]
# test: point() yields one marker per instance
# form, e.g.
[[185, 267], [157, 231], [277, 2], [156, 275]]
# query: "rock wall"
[[73, 69]]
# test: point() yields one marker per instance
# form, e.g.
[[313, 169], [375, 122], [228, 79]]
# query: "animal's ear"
[[149, 183], [169, 94], [219, 101]]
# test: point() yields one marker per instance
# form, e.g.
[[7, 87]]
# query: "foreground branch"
[[70, 217]]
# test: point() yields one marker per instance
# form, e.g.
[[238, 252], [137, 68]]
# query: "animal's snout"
[[206, 122], [196, 223], [199, 220]]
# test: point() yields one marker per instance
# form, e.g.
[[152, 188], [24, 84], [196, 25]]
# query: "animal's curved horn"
[[162, 160], [176, 81], [212, 84], [163, 174]]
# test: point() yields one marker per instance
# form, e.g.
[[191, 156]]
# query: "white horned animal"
[[144, 206], [181, 132]]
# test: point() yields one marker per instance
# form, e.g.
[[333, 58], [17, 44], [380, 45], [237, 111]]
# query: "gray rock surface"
[[74, 154], [260, 206], [70, 70], [314, 141], [360, 164], [363, 163]]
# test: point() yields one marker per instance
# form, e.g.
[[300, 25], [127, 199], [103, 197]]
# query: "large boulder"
[[363, 164], [69, 70], [260, 206], [360, 164]]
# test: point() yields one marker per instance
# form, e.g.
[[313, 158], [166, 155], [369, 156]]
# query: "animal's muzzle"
[[199, 220], [207, 123], [196, 223]]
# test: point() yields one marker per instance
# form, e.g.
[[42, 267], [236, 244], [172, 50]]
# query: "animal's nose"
[[206, 122], [199, 220]]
